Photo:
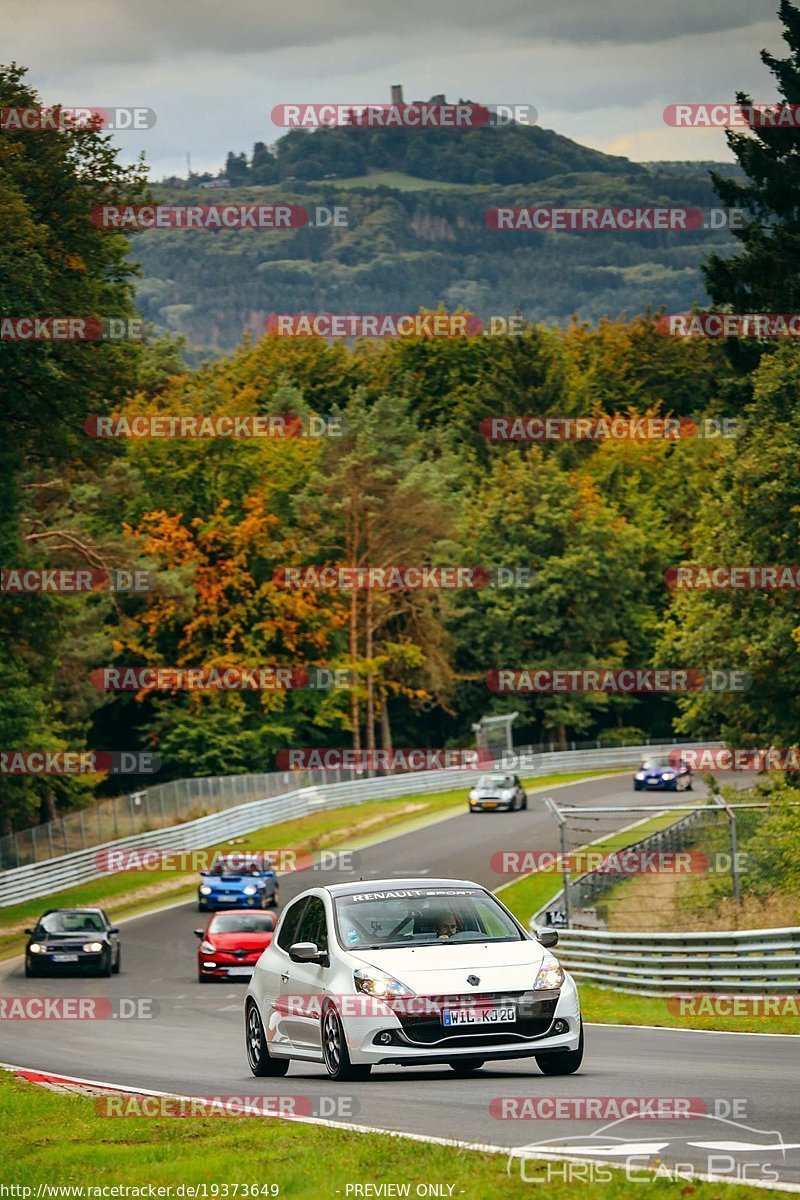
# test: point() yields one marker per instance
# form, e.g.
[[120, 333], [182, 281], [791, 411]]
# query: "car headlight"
[[473, 795], [377, 983], [36, 948], [205, 890], [207, 947], [93, 947], [250, 890], [551, 975], [667, 775], [639, 775]]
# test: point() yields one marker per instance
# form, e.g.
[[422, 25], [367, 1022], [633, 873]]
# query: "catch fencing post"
[[562, 823], [731, 815]]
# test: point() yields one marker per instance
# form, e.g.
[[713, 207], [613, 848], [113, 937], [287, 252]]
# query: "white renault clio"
[[408, 971]]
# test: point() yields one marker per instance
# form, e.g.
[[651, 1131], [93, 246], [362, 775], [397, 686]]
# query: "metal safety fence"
[[248, 802]]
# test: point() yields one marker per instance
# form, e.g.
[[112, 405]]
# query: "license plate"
[[65, 958], [482, 1016], [240, 970], [490, 804]]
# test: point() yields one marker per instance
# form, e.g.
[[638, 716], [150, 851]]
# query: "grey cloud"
[[147, 30]]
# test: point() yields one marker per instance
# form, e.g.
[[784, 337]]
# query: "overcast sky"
[[599, 71]]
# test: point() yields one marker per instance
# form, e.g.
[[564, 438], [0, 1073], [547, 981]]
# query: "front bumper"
[[553, 1024], [227, 970], [215, 903], [84, 960], [490, 805]]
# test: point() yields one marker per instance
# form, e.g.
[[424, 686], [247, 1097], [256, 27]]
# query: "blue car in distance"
[[668, 773], [231, 885]]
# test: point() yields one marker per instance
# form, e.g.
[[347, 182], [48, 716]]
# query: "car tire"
[[259, 1058], [690, 786], [562, 1062], [118, 962], [335, 1054], [276, 899], [525, 802], [30, 970], [466, 1066], [201, 978], [106, 968], [637, 787]]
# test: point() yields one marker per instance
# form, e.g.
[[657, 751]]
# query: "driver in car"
[[446, 926]]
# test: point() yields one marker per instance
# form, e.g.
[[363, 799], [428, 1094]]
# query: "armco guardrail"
[[163, 805], [43, 878], [749, 962]]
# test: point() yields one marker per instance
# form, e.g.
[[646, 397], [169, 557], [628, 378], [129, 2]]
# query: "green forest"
[[410, 479]]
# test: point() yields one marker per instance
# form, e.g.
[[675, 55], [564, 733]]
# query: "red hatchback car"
[[232, 943]]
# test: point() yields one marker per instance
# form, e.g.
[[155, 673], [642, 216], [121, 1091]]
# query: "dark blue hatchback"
[[667, 773], [231, 885]]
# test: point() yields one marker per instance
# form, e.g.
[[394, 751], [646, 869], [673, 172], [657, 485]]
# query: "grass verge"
[[57, 1139], [527, 895], [129, 892]]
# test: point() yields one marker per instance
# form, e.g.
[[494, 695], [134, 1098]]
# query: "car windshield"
[[653, 764], [495, 781], [222, 867], [71, 922], [390, 918], [242, 923]]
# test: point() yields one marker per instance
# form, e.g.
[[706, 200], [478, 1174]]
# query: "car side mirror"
[[547, 938], [205, 872], [29, 931], [308, 952], [199, 932], [113, 929]]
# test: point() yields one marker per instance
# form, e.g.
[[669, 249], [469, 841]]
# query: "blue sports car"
[[228, 886], [668, 773]]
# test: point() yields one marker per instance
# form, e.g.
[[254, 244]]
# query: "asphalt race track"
[[195, 1045]]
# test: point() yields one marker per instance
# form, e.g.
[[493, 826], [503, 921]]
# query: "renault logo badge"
[[473, 979]]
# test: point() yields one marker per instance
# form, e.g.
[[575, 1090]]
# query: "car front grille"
[[535, 1014]]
